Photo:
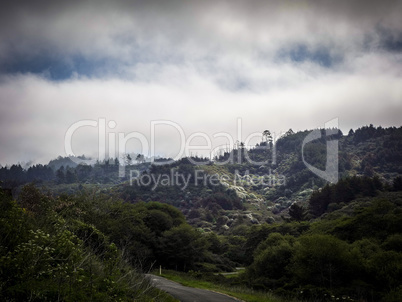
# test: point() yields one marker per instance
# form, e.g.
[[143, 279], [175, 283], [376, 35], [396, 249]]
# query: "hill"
[[94, 233], [242, 186]]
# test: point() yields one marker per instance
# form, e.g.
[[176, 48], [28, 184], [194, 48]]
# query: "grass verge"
[[239, 292]]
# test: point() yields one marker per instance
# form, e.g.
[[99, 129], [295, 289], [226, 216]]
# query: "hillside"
[[243, 186], [250, 193], [92, 246], [93, 233]]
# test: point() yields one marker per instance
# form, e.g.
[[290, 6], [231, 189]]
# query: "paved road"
[[188, 294]]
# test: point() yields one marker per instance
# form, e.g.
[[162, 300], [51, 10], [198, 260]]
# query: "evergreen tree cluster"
[[344, 191]]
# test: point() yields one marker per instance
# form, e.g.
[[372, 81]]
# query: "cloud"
[[46, 109], [200, 64], [138, 31]]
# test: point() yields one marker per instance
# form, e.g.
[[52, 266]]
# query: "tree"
[[17, 173], [272, 258], [397, 183], [181, 246], [128, 159], [33, 200], [60, 175], [267, 136], [158, 221], [71, 177], [342, 192], [289, 132], [323, 260], [140, 158], [297, 212], [83, 172], [320, 200]]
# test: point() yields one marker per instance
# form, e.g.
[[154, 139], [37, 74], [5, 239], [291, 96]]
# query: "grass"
[[239, 292], [156, 295]]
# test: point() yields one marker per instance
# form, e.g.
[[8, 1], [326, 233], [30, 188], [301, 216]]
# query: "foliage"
[[49, 255], [357, 256], [92, 237], [297, 212], [344, 191]]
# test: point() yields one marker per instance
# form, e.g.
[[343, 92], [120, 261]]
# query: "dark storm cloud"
[[76, 36], [57, 67], [390, 40]]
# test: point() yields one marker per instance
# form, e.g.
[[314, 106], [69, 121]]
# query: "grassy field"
[[242, 293]]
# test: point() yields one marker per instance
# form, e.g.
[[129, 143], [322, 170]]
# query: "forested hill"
[[255, 184], [82, 233]]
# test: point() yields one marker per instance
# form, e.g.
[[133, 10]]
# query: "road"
[[188, 294]]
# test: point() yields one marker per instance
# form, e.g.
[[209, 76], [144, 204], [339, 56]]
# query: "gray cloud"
[[201, 64], [141, 30]]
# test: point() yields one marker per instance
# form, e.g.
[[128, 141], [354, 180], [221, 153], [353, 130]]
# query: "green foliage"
[[271, 260], [32, 200], [344, 191], [380, 220], [83, 244], [357, 253], [48, 253], [297, 213], [149, 234], [393, 243], [180, 247], [323, 260]]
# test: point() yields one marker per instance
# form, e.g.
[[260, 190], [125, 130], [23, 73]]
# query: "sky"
[[190, 72]]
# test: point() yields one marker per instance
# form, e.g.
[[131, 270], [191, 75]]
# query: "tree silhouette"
[[267, 136], [140, 158], [297, 212]]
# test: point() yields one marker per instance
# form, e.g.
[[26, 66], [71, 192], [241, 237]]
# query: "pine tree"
[[60, 175]]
